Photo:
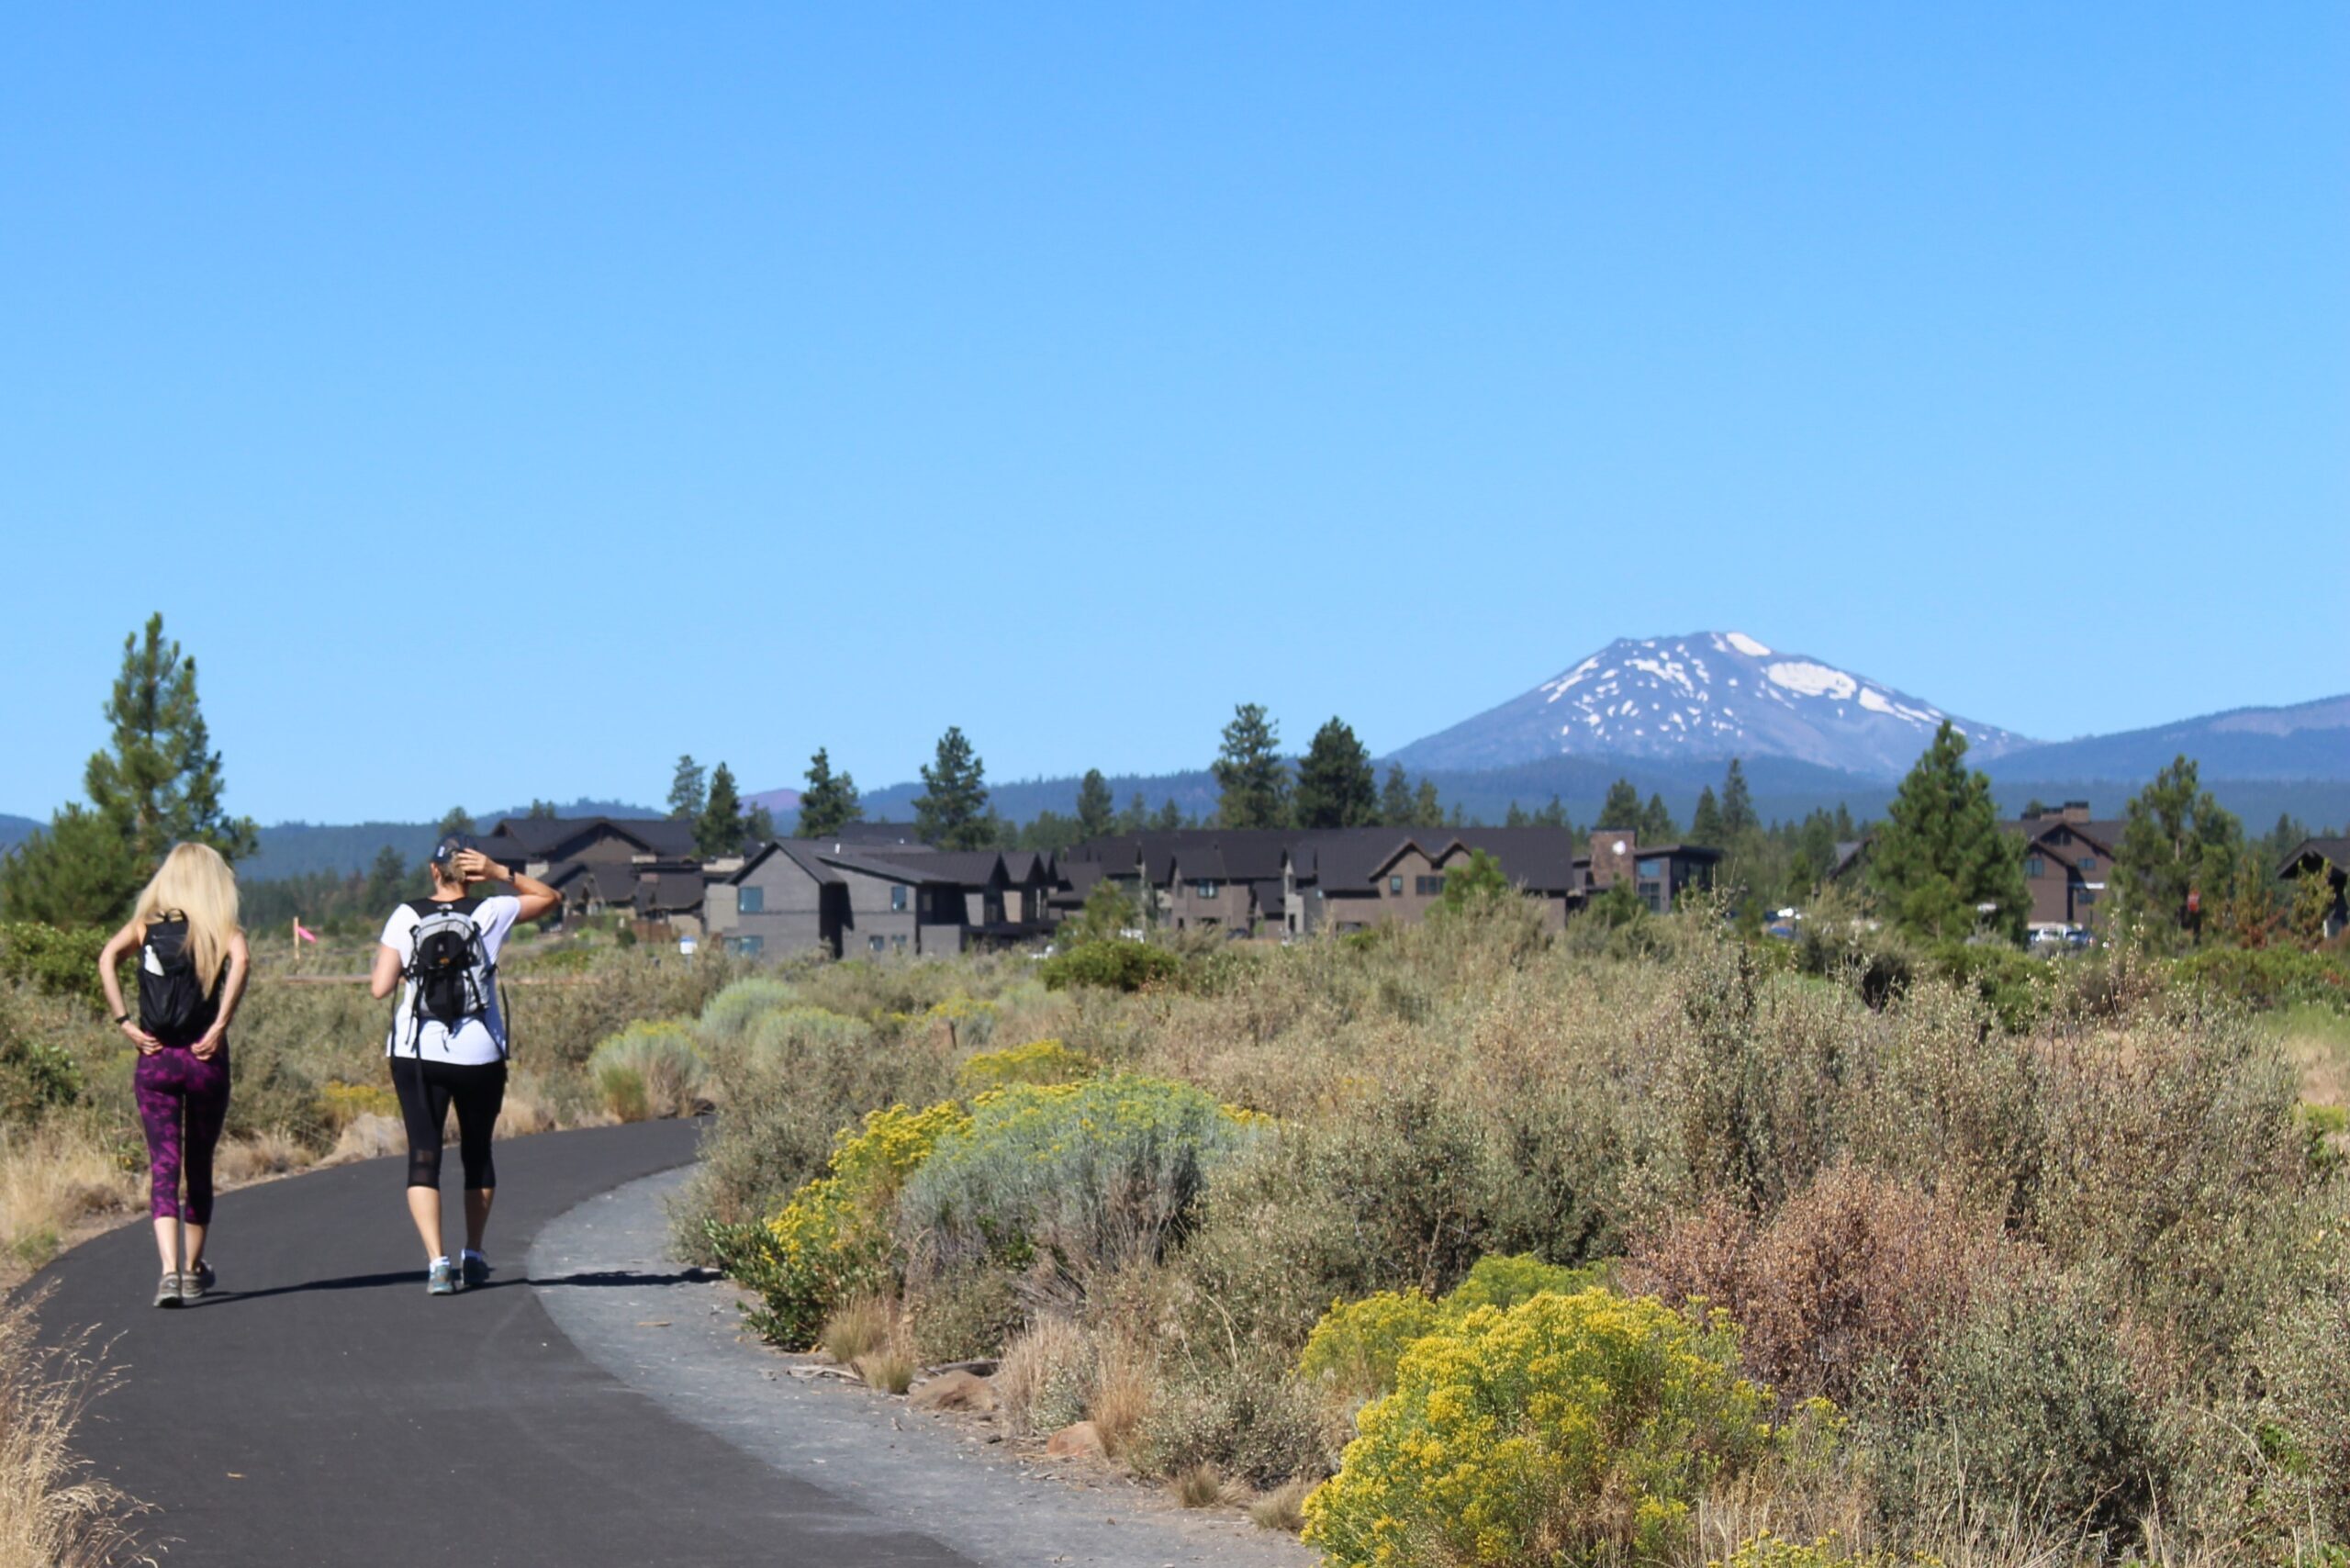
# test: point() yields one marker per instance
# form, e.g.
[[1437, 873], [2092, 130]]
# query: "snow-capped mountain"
[[1709, 694]]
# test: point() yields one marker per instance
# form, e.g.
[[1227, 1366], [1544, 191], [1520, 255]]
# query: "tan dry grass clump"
[[526, 1111], [888, 1369], [367, 1137], [273, 1152], [1044, 1377], [53, 1178], [1125, 1381], [52, 1513], [859, 1326], [1282, 1508], [1201, 1486]]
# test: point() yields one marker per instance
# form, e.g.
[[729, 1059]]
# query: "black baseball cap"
[[445, 853]]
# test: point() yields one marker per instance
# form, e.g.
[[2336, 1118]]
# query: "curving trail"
[[321, 1409]]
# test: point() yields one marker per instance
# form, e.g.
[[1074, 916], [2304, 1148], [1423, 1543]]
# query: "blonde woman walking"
[[192, 966]]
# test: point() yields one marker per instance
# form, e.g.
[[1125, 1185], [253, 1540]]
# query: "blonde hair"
[[196, 883]]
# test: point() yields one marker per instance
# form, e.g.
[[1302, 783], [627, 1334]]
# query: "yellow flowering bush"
[[1768, 1550], [1566, 1429], [833, 1239], [1354, 1350], [1038, 1061]]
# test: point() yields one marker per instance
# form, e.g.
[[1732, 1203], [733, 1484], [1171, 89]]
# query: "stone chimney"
[[1612, 853]]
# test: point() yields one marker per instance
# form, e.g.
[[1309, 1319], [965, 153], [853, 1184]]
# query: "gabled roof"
[[2104, 835], [559, 838], [2333, 852]]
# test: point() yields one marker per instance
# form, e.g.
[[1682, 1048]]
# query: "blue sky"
[[586, 384]]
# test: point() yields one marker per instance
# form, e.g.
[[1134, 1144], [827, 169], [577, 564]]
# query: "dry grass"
[[53, 1180], [858, 1328], [366, 1137], [2317, 1043], [1125, 1383], [52, 1513], [1044, 1376], [1197, 1486], [271, 1153], [526, 1111], [1282, 1508], [890, 1370]]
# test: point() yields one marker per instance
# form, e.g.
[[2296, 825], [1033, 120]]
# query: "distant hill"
[[296, 849], [2309, 741], [13, 829], [1704, 696]]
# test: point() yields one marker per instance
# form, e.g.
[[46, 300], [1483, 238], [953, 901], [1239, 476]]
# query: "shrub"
[[340, 1105], [1039, 1061], [648, 1071], [1110, 966], [36, 1076], [1046, 1377], [1574, 1428], [1243, 1415], [833, 1239], [729, 1016], [856, 1326], [54, 960], [1083, 1174], [1354, 1350], [2269, 977]]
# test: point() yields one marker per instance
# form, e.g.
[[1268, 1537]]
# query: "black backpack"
[[450, 976], [172, 1004]]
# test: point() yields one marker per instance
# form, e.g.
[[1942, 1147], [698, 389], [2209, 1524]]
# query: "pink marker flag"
[[303, 932]]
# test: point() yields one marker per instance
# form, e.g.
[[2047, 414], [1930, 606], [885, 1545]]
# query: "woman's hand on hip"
[[207, 1048], [148, 1044]]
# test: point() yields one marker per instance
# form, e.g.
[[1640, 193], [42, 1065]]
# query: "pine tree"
[[1395, 799], [829, 802], [1656, 825], [1622, 807], [1478, 882], [1335, 787], [1135, 818], [1738, 806], [1170, 816], [1516, 816], [1096, 811], [689, 788], [719, 830], [456, 820], [758, 825], [1552, 815], [159, 786], [952, 809], [1428, 810], [1941, 853], [387, 880], [2176, 840], [1705, 825], [1249, 772]]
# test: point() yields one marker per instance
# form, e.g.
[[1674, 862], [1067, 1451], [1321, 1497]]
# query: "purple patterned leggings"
[[173, 1088]]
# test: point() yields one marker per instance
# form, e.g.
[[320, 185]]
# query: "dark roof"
[[2335, 852], [1224, 853], [668, 892], [1541, 858], [558, 838], [2105, 834], [1271, 897], [965, 867], [875, 836]]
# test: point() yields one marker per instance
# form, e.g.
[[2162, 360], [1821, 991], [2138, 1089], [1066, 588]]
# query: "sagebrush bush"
[[1038, 1061], [1575, 1428], [1111, 966], [729, 1016], [1085, 1175], [650, 1070]]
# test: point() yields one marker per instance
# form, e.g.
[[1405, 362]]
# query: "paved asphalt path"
[[321, 1409]]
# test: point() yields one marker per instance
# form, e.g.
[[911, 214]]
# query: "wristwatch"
[[122, 1018]]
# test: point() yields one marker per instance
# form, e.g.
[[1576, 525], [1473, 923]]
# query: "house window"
[[898, 944], [2086, 896], [2088, 864], [2033, 866], [1652, 895], [898, 896], [1428, 887], [875, 943], [747, 946], [752, 900], [1206, 890], [1394, 884], [1654, 869]]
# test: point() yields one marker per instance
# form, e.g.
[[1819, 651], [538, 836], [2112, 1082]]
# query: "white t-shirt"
[[477, 1041]]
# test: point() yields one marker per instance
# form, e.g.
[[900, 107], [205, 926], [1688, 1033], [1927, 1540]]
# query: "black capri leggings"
[[427, 1089]]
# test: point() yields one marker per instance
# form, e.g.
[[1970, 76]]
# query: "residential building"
[[2067, 858], [2330, 858], [834, 896], [595, 863]]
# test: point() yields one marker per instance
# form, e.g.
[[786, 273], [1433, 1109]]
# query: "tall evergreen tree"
[[2176, 840], [1737, 805], [829, 802], [1170, 816], [159, 785], [1135, 818], [456, 820], [1335, 787], [541, 811], [1657, 825], [1428, 810], [1097, 813], [1622, 808], [388, 879], [1705, 825], [719, 830], [952, 809], [1941, 853], [1552, 815], [689, 788], [1249, 772], [1516, 816], [1395, 799]]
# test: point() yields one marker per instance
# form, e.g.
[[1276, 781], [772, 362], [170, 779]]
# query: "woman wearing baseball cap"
[[447, 1043]]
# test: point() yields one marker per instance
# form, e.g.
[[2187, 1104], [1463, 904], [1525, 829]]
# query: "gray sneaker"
[[167, 1293], [195, 1287], [475, 1269], [443, 1281]]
